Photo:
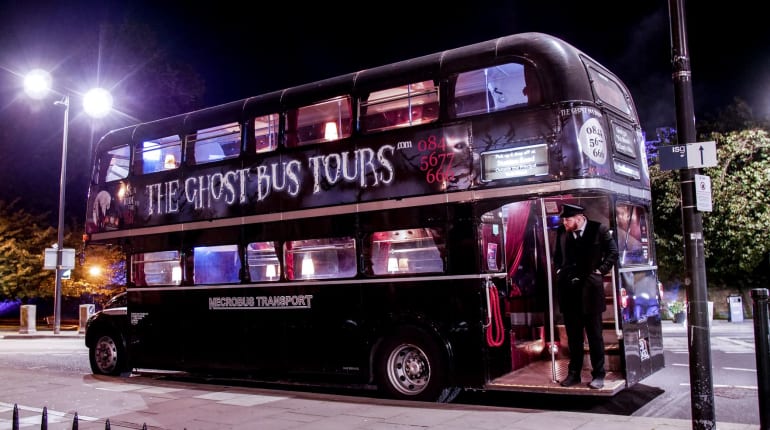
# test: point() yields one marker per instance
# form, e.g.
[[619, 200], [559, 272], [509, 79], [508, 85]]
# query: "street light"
[[97, 103]]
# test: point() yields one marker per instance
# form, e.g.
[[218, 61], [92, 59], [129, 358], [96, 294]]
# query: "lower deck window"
[[263, 262], [397, 252], [156, 268], [320, 258], [216, 264]]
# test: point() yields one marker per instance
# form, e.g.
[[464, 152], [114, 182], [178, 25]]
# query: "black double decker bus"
[[390, 228]]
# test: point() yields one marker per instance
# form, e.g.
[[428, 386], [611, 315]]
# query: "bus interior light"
[[176, 275], [330, 131], [308, 267], [392, 264], [270, 271]]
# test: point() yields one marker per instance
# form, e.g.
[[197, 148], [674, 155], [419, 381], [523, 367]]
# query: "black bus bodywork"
[[450, 223]]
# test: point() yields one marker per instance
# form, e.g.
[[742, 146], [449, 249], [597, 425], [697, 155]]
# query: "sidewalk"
[[718, 327]]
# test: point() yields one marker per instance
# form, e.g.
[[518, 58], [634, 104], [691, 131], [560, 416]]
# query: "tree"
[[737, 244], [23, 239]]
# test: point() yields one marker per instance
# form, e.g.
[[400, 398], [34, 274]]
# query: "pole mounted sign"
[[690, 156], [67, 258]]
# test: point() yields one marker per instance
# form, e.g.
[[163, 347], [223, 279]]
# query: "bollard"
[[75, 422], [762, 341], [107, 424], [15, 419], [28, 319], [85, 312], [44, 419]]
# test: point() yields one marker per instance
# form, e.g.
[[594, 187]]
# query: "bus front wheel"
[[107, 356], [411, 366]]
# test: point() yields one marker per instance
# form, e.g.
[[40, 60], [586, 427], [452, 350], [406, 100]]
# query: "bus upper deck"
[[523, 109]]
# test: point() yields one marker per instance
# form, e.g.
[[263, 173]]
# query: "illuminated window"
[[263, 263], [320, 258], [266, 133], [401, 106], [216, 264], [495, 88], [156, 268], [321, 122], [216, 143], [156, 155], [633, 235], [114, 164], [398, 252]]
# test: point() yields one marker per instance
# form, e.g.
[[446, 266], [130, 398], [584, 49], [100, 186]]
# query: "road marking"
[[239, 399], [740, 369]]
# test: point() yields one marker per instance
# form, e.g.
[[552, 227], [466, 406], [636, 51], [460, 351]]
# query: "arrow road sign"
[[690, 156]]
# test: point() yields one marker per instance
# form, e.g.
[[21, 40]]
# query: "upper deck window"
[[321, 122], [266, 133], [114, 164], [495, 88], [402, 106], [609, 91], [158, 154], [216, 143]]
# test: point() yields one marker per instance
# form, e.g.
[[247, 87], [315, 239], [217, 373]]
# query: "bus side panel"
[[336, 337]]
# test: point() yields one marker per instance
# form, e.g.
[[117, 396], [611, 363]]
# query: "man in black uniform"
[[585, 252]]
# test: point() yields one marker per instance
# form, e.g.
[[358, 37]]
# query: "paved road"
[[65, 386]]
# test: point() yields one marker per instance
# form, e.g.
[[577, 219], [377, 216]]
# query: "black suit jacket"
[[579, 288]]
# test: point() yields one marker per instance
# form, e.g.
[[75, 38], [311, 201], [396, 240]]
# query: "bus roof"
[[553, 58]]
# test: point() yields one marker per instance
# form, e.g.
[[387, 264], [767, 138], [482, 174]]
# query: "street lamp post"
[[97, 103], [65, 101]]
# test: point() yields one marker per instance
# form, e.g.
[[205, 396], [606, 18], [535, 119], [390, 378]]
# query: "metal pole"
[[65, 101], [698, 330], [762, 343]]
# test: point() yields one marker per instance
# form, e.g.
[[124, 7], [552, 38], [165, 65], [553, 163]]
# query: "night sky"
[[242, 49]]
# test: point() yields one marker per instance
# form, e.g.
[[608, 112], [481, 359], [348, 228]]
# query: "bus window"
[[320, 258], [402, 106], [262, 260], [491, 233], [397, 252], [494, 88], [215, 143], [114, 164], [633, 237], [266, 133], [216, 264], [156, 268], [609, 91], [321, 122], [158, 154]]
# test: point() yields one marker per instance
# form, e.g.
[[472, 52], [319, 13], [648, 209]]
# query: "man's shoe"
[[596, 383], [570, 380]]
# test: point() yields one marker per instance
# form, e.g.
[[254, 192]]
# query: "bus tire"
[[411, 366], [107, 356]]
